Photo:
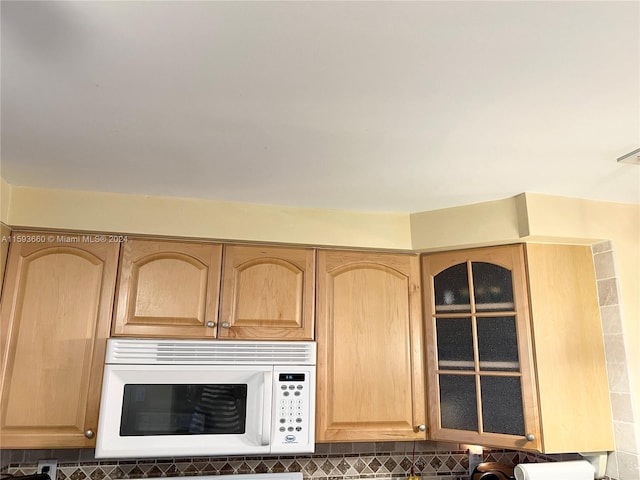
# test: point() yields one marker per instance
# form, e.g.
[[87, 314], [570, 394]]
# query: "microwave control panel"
[[294, 408]]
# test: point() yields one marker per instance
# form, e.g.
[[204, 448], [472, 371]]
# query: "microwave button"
[[292, 387], [297, 394], [286, 394], [283, 387], [282, 429], [290, 438], [298, 429]]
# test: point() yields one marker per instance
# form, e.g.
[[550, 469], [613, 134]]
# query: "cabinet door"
[[56, 314], [479, 357], [168, 289], [575, 408], [267, 293], [369, 333]]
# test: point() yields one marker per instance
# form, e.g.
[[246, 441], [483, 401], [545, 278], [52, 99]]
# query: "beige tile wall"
[[624, 462]]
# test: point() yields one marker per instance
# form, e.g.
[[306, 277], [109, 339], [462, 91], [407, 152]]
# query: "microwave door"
[[184, 410], [266, 394]]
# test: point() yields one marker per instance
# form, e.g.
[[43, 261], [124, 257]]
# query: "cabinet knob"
[[530, 437], [226, 324], [422, 428], [211, 324], [89, 433]]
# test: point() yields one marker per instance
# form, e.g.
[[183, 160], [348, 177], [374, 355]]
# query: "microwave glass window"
[[183, 409]]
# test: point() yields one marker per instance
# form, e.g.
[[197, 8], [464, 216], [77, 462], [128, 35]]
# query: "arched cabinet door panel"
[[56, 315], [370, 368], [168, 289], [267, 293]]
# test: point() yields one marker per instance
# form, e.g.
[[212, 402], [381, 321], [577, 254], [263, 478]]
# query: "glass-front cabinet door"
[[480, 366]]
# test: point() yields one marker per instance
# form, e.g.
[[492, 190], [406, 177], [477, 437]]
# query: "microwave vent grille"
[[187, 352]]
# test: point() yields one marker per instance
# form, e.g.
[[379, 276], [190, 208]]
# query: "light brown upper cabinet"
[[370, 383], [55, 319], [168, 289], [267, 293], [515, 354]]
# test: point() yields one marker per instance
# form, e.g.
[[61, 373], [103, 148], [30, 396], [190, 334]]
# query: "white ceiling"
[[386, 106]]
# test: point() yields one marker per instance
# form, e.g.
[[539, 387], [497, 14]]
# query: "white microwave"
[[177, 398]]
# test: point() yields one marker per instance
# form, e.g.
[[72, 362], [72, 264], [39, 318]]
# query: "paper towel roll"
[[574, 470]]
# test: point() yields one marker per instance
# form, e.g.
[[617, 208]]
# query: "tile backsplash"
[[624, 462], [431, 461]]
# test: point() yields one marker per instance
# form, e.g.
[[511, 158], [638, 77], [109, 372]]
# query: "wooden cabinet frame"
[[61, 347], [354, 401], [512, 259], [565, 394], [267, 293], [194, 315]]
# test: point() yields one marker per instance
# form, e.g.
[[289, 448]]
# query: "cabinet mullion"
[[488, 314], [506, 313], [476, 351], [456, 372], [452, 315], [488, 373], [491, 373]]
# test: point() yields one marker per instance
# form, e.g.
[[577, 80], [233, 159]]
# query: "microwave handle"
[[265, 421]]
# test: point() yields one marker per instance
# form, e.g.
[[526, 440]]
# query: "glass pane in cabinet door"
[[498, 344], [451, 287], [458, 402], [502, 410], [492, 287], [455, 343]]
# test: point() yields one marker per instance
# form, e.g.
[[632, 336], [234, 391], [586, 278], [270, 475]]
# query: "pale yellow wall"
[[108, 212], [4, 249], [5, 200], [620, 223], [480, 224]]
